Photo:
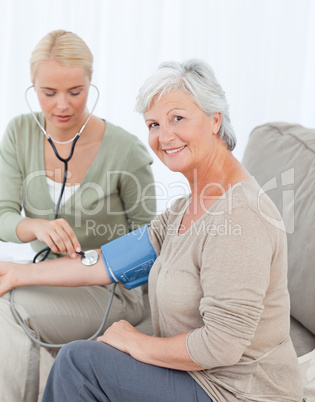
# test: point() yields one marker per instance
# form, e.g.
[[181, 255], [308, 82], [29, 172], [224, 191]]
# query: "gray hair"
[[197, 79]]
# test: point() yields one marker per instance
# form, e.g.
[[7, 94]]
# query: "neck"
[[216, 176], [65, 136]]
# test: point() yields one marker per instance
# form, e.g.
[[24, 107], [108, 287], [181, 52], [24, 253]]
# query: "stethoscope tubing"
[[47, 250]]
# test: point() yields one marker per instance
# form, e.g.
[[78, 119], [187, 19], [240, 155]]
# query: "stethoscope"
[[85, 259], [51, 141]]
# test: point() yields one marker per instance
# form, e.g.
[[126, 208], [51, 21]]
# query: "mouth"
[[174, 150], [62, 117]]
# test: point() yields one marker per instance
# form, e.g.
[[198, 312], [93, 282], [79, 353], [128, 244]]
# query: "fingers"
[[60, 237], [120, 335], [116, 329], [67, 241]]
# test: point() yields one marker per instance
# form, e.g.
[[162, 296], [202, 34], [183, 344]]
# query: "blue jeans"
[[93, 371]]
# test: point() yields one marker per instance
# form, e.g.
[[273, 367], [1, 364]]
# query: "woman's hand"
[[57, 234], [121, 335]]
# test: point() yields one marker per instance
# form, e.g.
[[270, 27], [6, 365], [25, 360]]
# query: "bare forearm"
[[63, 271], [166, 352]]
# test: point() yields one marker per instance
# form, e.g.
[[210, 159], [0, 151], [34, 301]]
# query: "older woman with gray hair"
[[217, 289]]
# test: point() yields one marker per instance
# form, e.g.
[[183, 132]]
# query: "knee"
[[80, 359], [82, 356], [64, 377], [71, 352], [77, 353], [69, 361]]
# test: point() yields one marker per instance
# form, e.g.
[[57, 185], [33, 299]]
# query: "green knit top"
[[116, 195]]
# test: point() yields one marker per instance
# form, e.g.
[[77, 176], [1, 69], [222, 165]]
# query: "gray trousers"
[[55, 315], [87, 371]]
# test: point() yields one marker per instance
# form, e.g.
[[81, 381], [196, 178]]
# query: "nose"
[[62, 102], [166, 134]]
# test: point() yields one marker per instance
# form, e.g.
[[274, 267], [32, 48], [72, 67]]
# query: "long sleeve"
[[234, 276], [11, 179]]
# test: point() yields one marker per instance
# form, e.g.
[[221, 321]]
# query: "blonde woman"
[[102, 200]]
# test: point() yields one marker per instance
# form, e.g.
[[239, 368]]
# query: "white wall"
[[261, 50]]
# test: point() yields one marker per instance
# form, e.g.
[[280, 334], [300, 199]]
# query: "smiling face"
[[62, 93], [180, 133]]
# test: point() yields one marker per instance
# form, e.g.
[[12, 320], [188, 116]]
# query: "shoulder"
[[26, 119], [247, 205], [118, 133], [180, 204], [131, 149], [22, 137], [251, 196], [248, 195], [24, 125], [165, 223], [169, 216]]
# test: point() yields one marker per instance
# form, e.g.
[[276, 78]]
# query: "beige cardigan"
[[224, 282]]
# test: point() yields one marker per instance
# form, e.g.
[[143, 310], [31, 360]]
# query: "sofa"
[[281, 156]]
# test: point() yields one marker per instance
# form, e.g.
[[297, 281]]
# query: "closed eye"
[[75, 91], [50, 93]]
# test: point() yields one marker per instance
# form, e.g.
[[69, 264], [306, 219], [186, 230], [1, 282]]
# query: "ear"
[[34, 85], [217, 118]]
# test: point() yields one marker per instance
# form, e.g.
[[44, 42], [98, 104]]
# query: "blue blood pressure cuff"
[[128, 259]]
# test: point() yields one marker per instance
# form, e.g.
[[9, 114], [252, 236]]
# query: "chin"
[[174, 167]]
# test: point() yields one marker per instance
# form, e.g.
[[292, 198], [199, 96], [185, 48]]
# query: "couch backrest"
[[281, 156]]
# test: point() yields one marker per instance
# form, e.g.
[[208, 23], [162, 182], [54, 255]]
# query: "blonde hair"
[[66, 48]]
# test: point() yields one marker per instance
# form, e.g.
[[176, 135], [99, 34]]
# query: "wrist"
[[25, 230], [24, 274], [140, 347]]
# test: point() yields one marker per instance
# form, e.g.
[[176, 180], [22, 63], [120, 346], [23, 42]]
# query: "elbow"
[[231, 357], [220, 352], [228, 358]]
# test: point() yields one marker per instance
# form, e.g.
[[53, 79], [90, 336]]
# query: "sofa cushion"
[[281, 156], [303, 340]]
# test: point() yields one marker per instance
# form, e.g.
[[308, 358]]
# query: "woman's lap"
[[61, 315], [93, 371]]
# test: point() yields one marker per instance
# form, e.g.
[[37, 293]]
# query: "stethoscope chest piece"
[[90, 257]]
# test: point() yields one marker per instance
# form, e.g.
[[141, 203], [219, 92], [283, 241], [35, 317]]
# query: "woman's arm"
[[63, 271], [164, 352], [11, 178]]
